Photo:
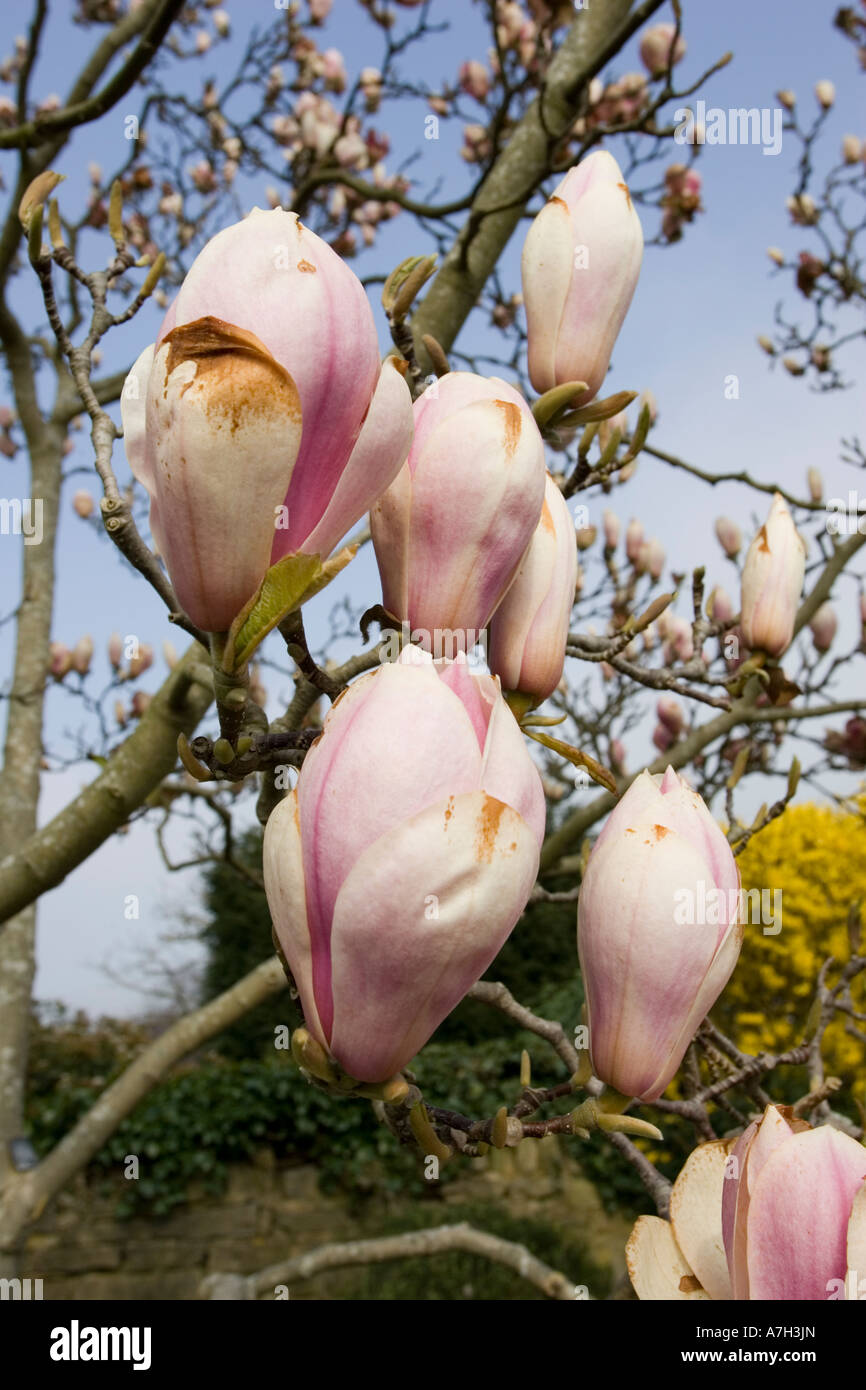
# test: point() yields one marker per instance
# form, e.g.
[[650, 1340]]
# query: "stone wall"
[[270, 1210]]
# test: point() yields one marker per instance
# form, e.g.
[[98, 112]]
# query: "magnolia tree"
[[413, 798]]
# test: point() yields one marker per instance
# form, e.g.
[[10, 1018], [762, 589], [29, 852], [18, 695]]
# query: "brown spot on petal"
[[689, 1284], [661, 831], [307, 267], [236, 378], [513, 425], [449, 811], [624, 187], [561, 201], [547, 519], [488, 829], [764, 541]]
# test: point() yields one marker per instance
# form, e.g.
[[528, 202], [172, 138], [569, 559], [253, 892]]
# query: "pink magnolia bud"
[[139, 703], [529, 629], [288, 355], [825, 92], [786, 98], [663, 738], [658, 932], [581, 261], [82, 655], [450, 531], [169, 651], [617, 756], [83, 503], [320, 9], [823, 627], [852, 149], [679, 643], [671, 714], [475, 79], [142, 662], [633, 540], [612, 527], [652, 557], [658, 51], [776, 256], [60, 663], [120, 713], [7, 418], [719, 605], [115, 650], [729, 536], [334, 70], [388, 916], [616, 424], [793, 1210], [772, 581]]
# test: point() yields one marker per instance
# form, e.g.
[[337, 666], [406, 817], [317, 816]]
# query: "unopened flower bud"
[[612, 528], [772, 581], [83, 503], [633, 540], [729, 536], [825, 91], [82, 655], [823, 627], [60, 660]]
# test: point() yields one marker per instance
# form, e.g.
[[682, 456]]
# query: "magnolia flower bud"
[[651, 557], [671, 714], [388, 916], [772, 581], [803, 209], [826, 94], [777, 256], [529, 629], [662, 737], [633, 540], [585, 536], [823, 627], [82, 655], [169, 652], [581, 261], [139, 703], [60, 663], [719, 606], [679, 641], [475, 79], [115, 650], [264, 386], [120, 714], [450, 531], [142, 661], [612, 528], [658, 932], [786, 98], [83, 503], [816, 484], [852, 149], [729, 536], [659, 50]]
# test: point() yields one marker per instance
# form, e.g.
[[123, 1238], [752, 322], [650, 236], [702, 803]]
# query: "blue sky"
[[693, 323]]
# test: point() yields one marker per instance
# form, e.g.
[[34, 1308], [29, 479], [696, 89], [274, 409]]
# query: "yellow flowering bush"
[[816, 855]]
